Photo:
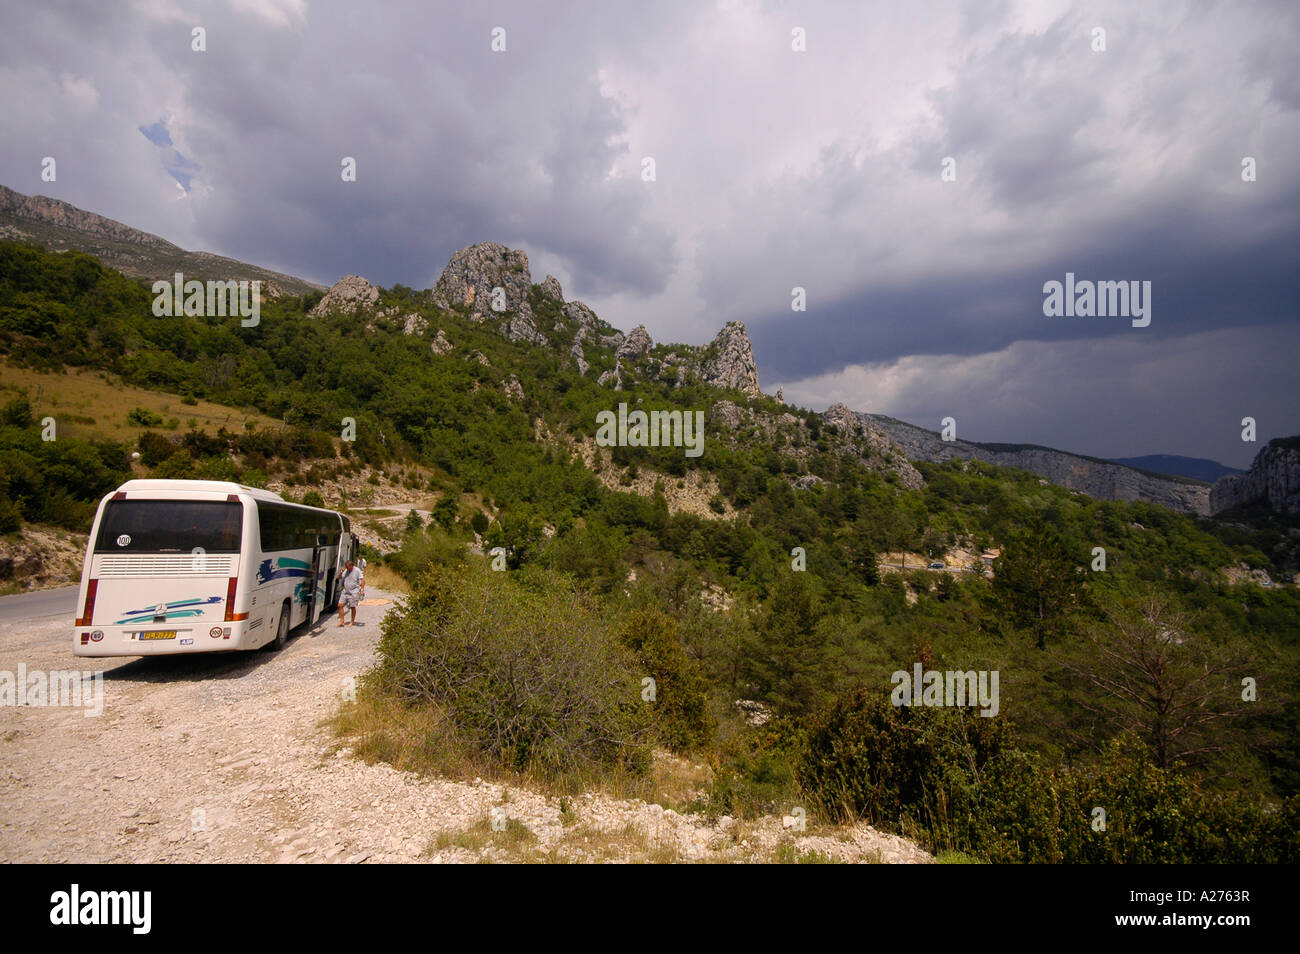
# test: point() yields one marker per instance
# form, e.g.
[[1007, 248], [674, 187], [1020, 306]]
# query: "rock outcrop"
[[1273, 479], [729, 360], [579, 357], [584, 316], [869, 442], [635, 346], [348, 295], [470, 279], [440, 345], [552, 287], [1097, 478]]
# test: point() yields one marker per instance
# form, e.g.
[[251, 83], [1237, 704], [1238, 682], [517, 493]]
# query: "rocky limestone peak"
[[552, 287], [350, 293], [471, 276], [1273, 479], [636, 345], [731, 360]]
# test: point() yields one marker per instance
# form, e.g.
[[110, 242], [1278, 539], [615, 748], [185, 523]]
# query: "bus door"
[[317, 590]]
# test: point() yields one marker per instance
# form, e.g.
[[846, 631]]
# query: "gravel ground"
[[224, 758]]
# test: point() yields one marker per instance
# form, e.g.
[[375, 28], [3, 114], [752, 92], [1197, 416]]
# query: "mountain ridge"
[[487, 283], [1175, 465], [59, 226], [1101, 479]]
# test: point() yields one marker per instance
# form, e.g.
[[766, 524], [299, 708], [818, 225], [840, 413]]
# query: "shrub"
[[680, 709], [10, 516], [179, 466], [445, 511], [142, 417], [154, 448], [957, 781], [528, 675], [17, 413]]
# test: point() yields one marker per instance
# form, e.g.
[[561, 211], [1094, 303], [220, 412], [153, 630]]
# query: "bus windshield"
[[170, 526]]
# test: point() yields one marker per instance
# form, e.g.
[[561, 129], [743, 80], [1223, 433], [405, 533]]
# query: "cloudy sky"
[[774, 168]]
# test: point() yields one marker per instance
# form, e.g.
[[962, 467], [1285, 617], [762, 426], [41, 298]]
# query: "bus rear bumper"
[[102, 641]]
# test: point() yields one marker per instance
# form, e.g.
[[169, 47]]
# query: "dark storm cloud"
[[1198, 285], [454, 143], [776, 169], [1122, 165]]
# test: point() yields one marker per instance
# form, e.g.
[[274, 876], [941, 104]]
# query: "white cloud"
[[81, 91]]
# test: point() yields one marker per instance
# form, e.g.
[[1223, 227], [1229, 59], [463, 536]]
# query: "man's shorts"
[[349, 600]]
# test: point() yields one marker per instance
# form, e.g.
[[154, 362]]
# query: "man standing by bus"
[[352, 588]]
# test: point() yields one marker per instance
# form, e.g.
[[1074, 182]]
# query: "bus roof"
[[156, 486], [164, 488]]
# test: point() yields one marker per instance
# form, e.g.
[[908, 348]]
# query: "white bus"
[[192, 566]]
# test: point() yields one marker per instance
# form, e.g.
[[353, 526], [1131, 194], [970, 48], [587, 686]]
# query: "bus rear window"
[[170, 526]]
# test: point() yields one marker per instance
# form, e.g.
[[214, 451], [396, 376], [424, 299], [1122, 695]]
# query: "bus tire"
[[282, 630]]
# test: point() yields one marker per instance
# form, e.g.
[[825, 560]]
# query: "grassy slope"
[[94, 404]]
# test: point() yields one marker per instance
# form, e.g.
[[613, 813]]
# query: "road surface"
[[39, 604]]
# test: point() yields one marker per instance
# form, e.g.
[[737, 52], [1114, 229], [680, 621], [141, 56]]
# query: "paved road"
[[39, 604]]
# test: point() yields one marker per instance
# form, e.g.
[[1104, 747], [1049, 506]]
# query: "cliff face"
[[1273, 479], [729, 360], [1096, 478]]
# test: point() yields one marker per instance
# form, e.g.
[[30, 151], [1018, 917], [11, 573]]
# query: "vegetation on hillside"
[[1123, 687]]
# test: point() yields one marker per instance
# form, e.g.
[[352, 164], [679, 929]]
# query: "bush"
[[179, 466], [680, 709], [17, 413], [154, 448], [142, 417], [444, 511], [10, 516], [957, 781], [528, 675]]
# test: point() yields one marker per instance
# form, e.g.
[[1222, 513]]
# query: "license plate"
[[159, 634]]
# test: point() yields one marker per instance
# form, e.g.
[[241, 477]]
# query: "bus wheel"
[[282, 631]]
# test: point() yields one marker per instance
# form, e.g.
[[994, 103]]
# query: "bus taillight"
[[231, 615], [89, 610]]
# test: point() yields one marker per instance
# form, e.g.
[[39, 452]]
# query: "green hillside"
[[1120, 687]]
